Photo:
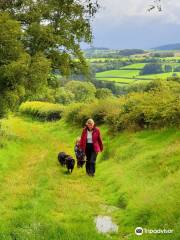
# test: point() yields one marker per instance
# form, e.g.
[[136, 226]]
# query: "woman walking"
[[91, 144]]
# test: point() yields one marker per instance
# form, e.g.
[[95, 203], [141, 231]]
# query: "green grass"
[[117, 80], [135, 66], [118, 73], [137, 183], [159, 76], [145, 181]]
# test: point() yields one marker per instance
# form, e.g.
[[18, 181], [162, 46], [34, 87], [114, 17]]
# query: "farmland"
[[131, 73]]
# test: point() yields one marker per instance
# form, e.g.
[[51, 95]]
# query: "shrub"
[[152, 68], [78, 113], [72, 111], [154, 109], [83, 91], [102, 93], [42, 110]]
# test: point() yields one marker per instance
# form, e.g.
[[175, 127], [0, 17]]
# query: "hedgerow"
[[159, 107], [42, 110]]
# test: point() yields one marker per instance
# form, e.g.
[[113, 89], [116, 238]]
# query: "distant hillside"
[[96, 49], [175, 46], [128, 52]]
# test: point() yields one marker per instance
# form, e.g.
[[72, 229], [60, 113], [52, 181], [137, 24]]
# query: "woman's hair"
[[78, 139], [90, 120]]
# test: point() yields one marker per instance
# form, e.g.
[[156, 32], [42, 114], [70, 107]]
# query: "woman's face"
[[90, 126]]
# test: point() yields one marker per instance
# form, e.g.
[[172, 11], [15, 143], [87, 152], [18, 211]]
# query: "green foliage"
[[35, 37], [102, 93], [64, 96], [37, 75], [83, 91], [79, 113], [54, 28], [162, 54], [21, 75], [154, 109], [177, 69], [128, 52], [151, 68], [168, 68], [71, 113], [102, 108], [42, 111], [158, 107], [13, 64]]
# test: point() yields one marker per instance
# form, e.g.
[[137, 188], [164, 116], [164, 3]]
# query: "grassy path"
[[38, 199]]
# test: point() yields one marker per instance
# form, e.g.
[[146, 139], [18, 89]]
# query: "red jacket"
[[96, 139]]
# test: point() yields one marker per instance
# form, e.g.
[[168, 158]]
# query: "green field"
[[135, 66], [118, 73], [159, 76], [118, 80], [136, 183], [131, 74]]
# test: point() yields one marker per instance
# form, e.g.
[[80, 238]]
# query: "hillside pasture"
[[118, 80], [159, 76], [118, 73], [136, 66]]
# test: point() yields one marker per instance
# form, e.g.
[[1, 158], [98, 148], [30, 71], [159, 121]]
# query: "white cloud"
[[119, 11]]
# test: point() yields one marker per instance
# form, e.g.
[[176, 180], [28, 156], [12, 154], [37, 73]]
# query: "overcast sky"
[[127, 24]]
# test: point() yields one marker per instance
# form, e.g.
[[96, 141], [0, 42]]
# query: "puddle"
[[104, 224]]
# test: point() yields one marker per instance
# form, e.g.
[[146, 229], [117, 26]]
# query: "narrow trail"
[[38, 199]]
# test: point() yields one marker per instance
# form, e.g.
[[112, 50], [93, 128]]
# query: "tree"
[[103, 93], [151, 68], [20, 74], [64, 96], [35, 37], [83, 91], [177, 69], [13, 61], [54, 28], [168, 68]]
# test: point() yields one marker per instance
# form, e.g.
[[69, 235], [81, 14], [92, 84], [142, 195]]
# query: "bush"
[[72, 111], [158, 107], [78, 113], [102, 93], [151, 68], [83, 91], [154, 109], [42, 110]]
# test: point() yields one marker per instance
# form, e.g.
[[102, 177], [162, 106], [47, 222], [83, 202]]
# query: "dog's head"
[[70, 161], [62, 157]]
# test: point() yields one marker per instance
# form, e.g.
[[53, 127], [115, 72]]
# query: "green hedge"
[[42, 110], [157, 108]]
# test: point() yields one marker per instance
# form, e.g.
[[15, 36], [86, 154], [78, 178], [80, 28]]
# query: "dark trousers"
[[90, 159]]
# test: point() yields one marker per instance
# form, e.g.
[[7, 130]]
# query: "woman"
[[91, 144]]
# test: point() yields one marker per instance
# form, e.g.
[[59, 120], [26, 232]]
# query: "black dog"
[[66, 160], [62, 158], [70, 162]]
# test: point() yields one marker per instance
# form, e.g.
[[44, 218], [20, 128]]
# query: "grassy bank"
[[136, 183]]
